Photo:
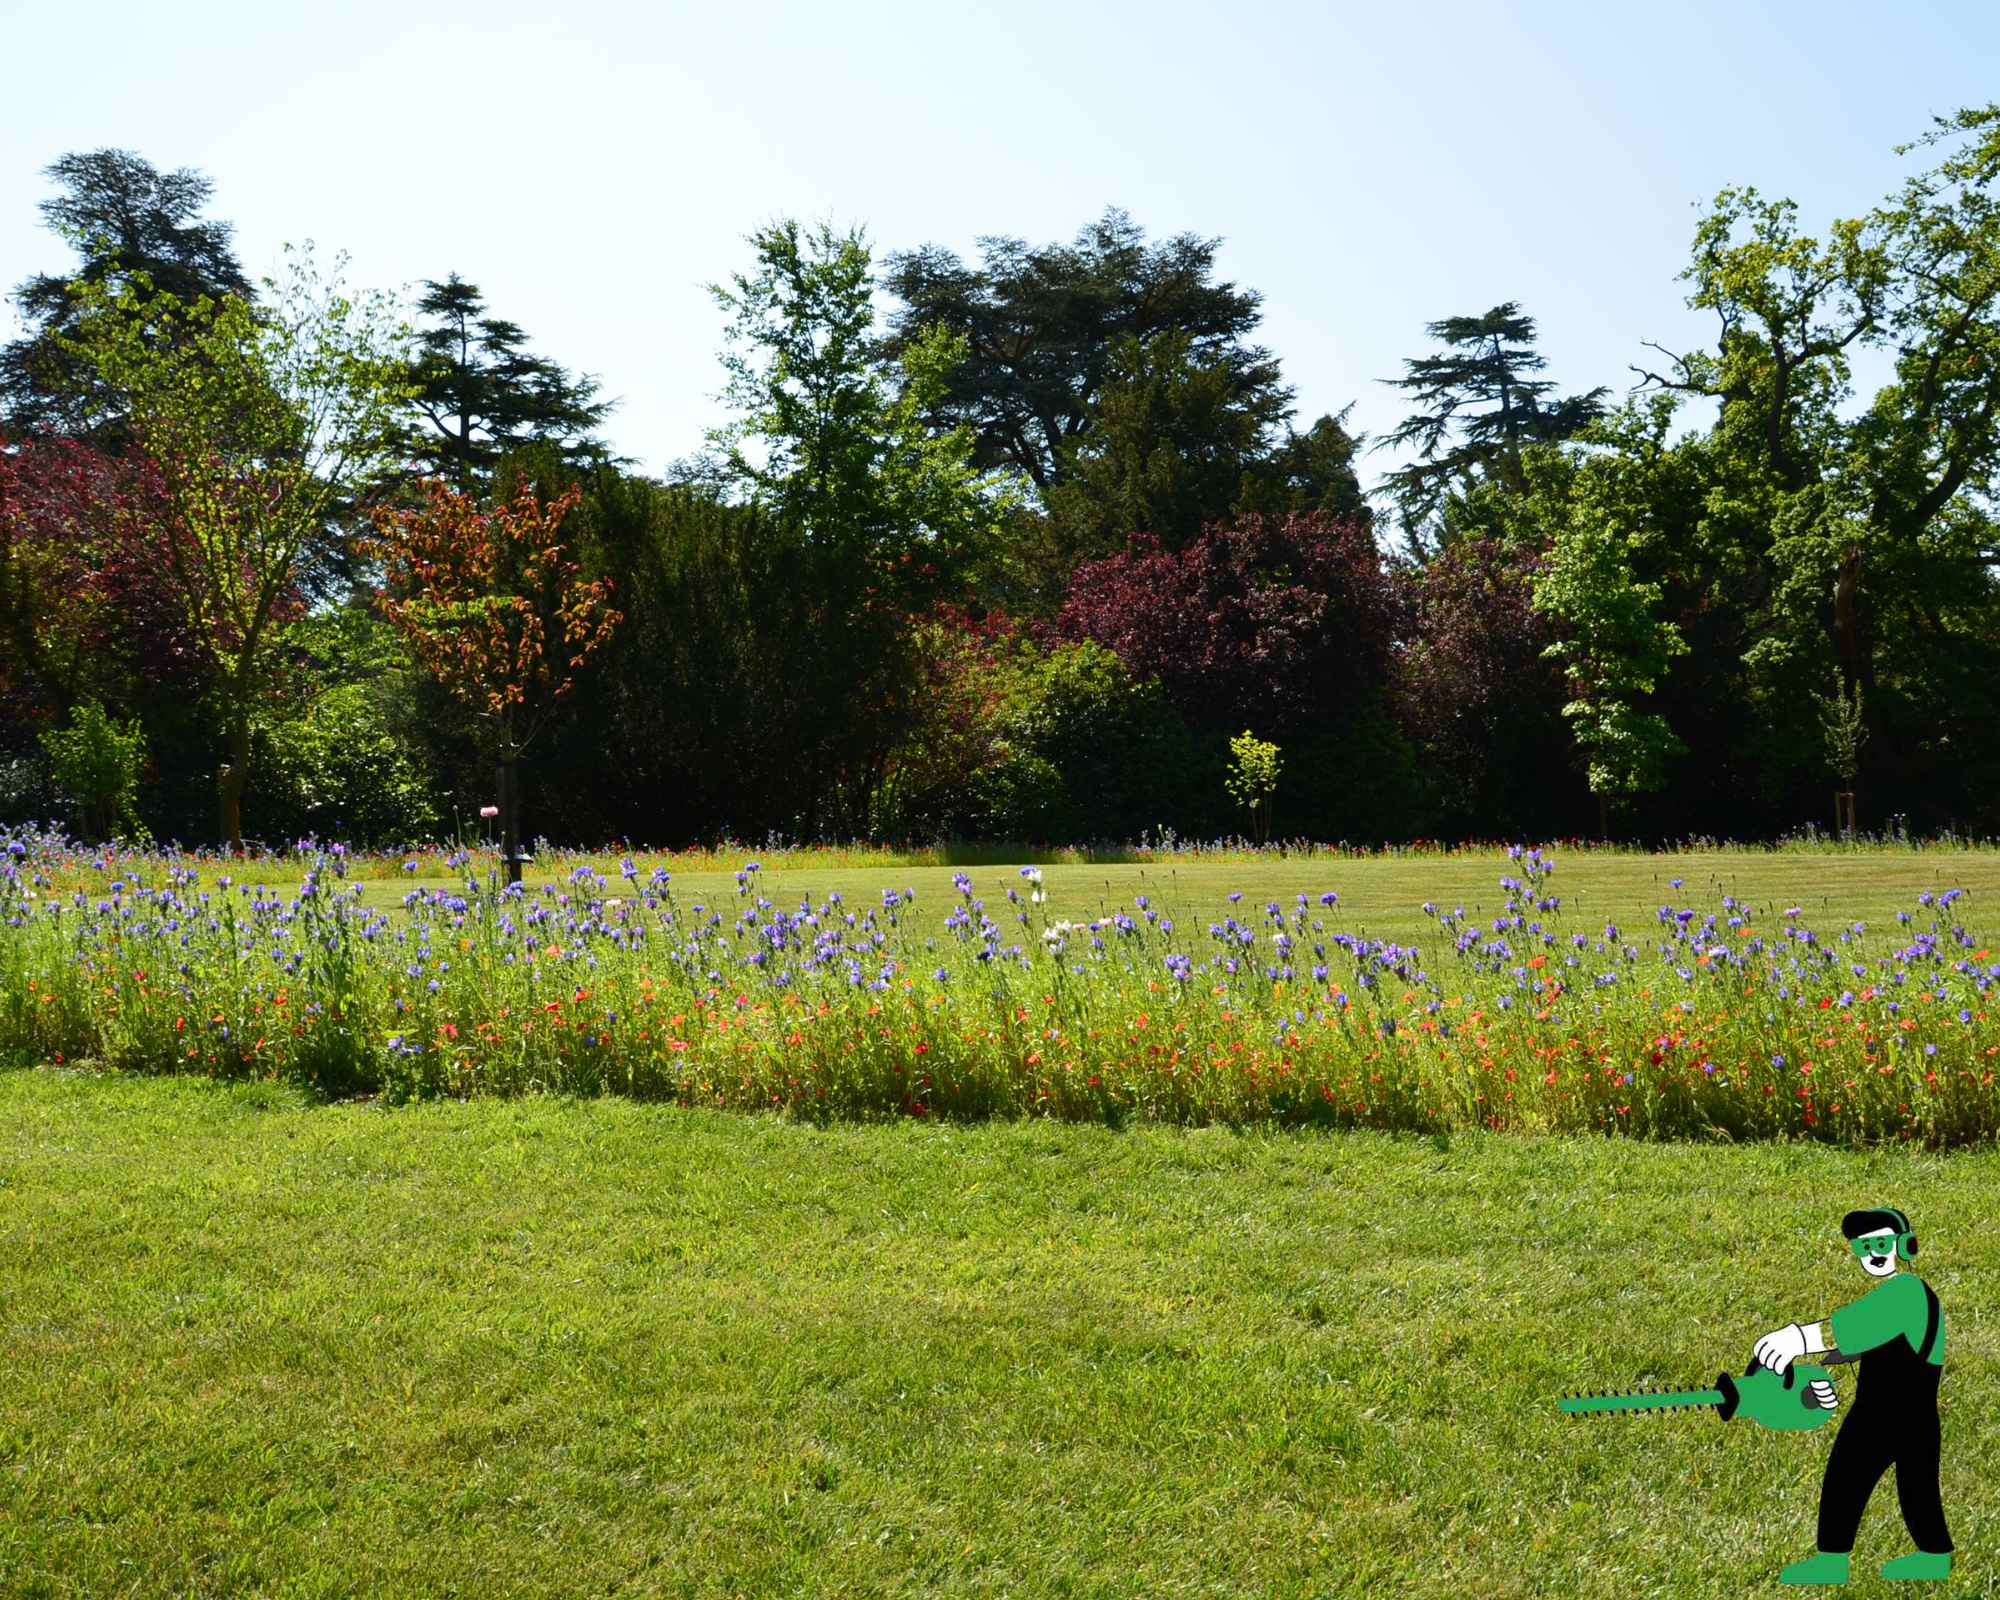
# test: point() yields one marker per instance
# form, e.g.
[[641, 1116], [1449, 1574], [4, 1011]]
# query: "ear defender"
[[1860, 1224]]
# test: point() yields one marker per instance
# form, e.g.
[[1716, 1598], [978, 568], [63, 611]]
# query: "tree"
[[1478, 408], [1612, 641], [497, 613], [477, 393], [128, 222], [832, 445], [1253, 778], [1311, 471], [83, 539], [1041, 327], [1870, 528], [1476, 694], [1173, 436], [261, 424], [96, 761], [1284, 620]]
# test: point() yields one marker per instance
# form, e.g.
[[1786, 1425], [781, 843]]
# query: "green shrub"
[[96, 762], [341, 773]]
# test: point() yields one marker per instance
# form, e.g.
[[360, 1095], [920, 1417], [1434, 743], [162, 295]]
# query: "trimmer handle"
[[1832, 1358]]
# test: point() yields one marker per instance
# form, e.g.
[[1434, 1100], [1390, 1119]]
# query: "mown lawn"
[[549, 1348], [1380, 896]]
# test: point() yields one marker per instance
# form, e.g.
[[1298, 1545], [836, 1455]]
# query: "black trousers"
[[1900, 1428]]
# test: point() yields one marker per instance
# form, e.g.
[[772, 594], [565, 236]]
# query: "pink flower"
[[489, 811]]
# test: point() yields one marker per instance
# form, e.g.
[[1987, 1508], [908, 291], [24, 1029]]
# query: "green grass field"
[[556, 1348], [1379, 895]]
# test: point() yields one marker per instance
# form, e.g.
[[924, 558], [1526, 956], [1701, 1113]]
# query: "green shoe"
[[1828, 1566], [1919, 1564]]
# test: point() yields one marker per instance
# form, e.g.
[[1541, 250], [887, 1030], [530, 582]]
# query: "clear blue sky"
[[1370, 167]]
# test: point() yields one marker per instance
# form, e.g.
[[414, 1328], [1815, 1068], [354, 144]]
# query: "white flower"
[[1032, 874], [1036, 897]]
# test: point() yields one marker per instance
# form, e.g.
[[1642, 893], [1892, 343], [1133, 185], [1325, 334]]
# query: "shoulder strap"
[[1930, 1324]]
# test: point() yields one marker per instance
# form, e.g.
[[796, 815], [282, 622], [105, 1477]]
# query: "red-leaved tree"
[[496, 612], [1473, 689], [84, 614], [1274, 622]]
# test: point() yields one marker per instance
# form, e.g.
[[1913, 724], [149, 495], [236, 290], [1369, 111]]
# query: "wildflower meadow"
[[1734, 1017]]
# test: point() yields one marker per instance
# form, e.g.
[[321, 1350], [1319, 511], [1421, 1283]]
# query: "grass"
[[1380, 894], [545, 1347]]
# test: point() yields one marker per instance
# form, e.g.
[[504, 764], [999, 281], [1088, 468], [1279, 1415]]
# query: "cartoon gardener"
[[1897, 1330]]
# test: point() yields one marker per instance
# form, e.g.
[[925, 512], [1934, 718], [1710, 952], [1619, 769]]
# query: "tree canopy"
[[477, 393], [130, 224], [1042, 326]]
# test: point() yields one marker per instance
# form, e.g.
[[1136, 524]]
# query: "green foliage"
[[1253, 777], [868, 514], [1122, 755], [1614, 644], [477, 394], [1478, 408], [1173, 434], [262, 422], [1362, 781], [837, 447], [1253, 769], [1021, 742], [1310, 471], [339, 772], [1845, 731], [1041, 326], [129, 224], [96, 762]]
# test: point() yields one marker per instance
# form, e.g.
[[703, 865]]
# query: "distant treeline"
[[1017, 560]]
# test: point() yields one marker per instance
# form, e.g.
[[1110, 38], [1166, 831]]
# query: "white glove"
[[1820, 1393], [1780, 1349]]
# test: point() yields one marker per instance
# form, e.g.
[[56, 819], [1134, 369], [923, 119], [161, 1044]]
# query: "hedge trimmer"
[[1775, 1400]]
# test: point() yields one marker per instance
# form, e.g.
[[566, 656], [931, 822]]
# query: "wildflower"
[[489, 812]]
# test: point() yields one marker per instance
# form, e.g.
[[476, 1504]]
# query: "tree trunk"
[[230, 779]]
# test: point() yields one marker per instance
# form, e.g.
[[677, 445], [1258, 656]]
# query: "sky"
[[1370, 168]]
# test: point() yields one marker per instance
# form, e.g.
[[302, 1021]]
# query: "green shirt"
[[1896, 1306]]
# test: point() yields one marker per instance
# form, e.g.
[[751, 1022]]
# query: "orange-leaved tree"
[[496, 612]]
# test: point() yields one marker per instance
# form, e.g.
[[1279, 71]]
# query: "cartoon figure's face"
[[1876, 1252]]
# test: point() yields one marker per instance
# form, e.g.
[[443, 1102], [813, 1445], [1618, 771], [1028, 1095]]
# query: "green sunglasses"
[[1873, 1244]]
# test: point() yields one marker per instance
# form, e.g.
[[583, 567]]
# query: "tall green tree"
[[1311, 471], [263, 423], [130, 224], [1614, 640], [1173, 436], [831, 441], [1041, 327], [1870, 526], [477, 393], [1478, 406]]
